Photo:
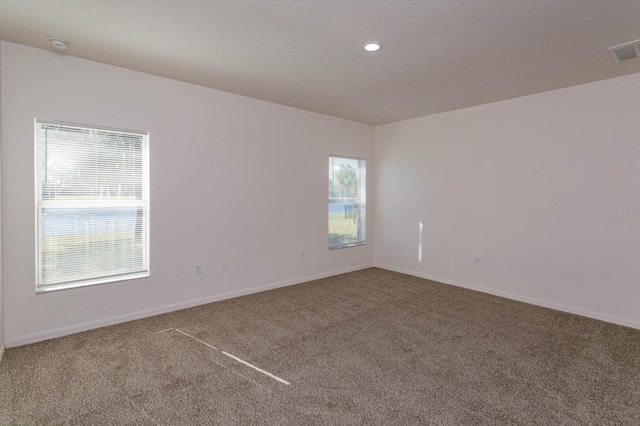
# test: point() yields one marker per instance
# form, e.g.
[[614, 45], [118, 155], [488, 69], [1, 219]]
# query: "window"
[[347, 202], [92, 205]]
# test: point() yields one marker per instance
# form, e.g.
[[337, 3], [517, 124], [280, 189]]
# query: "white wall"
[[522, 183], [231, 178], [2, 345]]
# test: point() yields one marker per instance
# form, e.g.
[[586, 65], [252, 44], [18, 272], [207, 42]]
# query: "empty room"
[[319, 212]]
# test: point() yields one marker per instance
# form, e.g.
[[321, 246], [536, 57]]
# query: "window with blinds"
[[347, 202], [92, 205]]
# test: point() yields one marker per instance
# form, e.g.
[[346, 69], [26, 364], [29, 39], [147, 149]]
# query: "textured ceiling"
[[437, 55]]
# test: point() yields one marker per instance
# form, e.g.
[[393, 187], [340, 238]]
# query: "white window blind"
[[92, 202], [347, 202]]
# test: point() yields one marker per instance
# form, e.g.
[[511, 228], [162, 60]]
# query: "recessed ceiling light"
[[59, 43], [372, 47]]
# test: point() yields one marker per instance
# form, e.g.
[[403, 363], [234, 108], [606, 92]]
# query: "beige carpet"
[[369, 347]]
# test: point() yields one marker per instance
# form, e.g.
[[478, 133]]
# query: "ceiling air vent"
[[626, 51]]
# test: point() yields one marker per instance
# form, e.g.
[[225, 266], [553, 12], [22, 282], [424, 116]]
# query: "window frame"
[[359, 200], [40, 205]]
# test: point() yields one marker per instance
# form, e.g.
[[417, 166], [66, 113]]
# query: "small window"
[[92, 205], [347, 202]]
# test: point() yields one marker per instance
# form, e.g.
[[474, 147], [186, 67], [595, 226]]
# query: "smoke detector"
[[59, 43], [625, 52]]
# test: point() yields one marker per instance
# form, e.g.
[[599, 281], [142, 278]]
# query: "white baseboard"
[[533, 301], [65, 331], [1, 352]]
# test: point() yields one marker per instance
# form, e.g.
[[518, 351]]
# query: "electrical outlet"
[[196, 269], [223, 265], [301, 254]]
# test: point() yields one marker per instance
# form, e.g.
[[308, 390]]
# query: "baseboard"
[[1, 352], [65, 331], [533, 301]]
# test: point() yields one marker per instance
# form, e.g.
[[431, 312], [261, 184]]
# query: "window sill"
[[348, 245], [92, 282]]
